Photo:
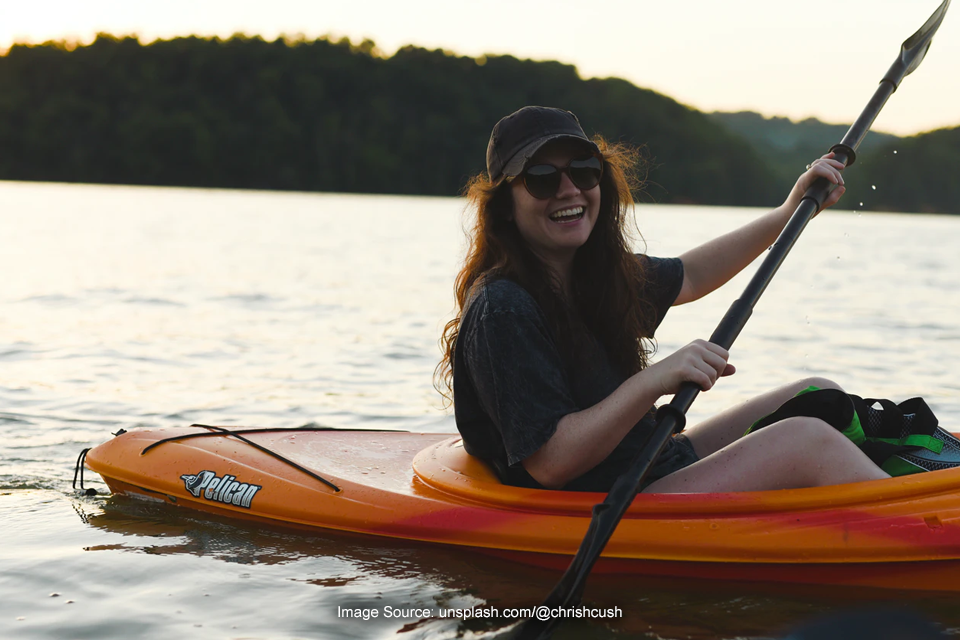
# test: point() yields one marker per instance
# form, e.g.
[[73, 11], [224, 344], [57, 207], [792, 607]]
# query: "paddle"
[[671, 417]]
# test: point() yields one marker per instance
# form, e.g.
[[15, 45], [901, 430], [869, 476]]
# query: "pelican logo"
[[224, 489]]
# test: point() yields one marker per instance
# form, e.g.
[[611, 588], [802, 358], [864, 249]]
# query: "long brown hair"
[[606, 275]]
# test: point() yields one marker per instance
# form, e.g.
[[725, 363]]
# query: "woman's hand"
[[700, 362], [823, 167], [583, 439]]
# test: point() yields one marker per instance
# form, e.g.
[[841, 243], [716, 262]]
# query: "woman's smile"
[[568, 214]]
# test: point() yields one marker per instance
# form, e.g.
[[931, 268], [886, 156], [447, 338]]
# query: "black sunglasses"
[[543, 180]]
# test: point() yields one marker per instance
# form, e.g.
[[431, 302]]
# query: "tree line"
[[325, 115], [912, 174]]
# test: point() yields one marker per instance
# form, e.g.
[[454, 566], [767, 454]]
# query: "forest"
[[336, 116]]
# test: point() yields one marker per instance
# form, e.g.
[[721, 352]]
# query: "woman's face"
[[547, 226]]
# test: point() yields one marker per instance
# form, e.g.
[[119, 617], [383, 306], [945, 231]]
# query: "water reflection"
[[362, 572]]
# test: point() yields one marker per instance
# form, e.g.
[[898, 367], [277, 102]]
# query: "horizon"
[[743, 56]]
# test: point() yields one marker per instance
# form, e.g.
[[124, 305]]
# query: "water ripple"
[[160, 302], [52, 300], [10, 418], [249, 300], [20, 354]]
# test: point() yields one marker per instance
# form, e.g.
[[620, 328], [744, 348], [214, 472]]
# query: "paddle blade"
[[916, 46]]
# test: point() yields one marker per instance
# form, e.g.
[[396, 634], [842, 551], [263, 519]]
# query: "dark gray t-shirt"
[[511, 386]]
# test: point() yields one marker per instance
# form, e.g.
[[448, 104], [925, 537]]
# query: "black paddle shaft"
[[672, 417]]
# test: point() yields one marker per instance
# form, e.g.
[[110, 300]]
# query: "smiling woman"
[[547, 360]]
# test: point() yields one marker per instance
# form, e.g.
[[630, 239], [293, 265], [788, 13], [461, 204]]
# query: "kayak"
[[901, 533]]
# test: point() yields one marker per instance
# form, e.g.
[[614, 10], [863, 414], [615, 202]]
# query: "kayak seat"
[[448, 468], [454, 459]]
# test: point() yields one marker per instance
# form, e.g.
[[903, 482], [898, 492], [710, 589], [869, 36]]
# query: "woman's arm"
[[585, 438], [713, 263]]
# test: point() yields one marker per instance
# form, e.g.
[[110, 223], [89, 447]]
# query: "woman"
[[547, 358]]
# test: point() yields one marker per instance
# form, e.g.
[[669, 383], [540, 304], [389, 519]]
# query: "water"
[[131, 307]]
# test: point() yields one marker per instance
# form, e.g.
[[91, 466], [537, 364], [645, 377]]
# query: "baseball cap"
[[518, 136]]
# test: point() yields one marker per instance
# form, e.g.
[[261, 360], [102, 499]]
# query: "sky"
[[819, 58]]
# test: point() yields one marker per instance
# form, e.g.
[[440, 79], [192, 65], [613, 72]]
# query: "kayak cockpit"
[[446, 467]]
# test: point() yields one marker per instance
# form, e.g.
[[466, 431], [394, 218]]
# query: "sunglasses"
[[543, 180]]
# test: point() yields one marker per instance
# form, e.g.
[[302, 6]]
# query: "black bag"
[[900, 438]]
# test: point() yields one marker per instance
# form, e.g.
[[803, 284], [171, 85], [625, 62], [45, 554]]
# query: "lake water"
[[127, 307]]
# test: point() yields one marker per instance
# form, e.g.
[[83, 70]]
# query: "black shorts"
[[682, 456], [676, 456]]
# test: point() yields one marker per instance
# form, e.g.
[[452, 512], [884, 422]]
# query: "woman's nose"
[[567, 189]]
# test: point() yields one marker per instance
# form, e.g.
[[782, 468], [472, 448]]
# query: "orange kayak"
[[901, 533]]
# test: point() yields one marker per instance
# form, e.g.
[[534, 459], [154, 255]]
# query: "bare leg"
[[796, 452], [727, 426]]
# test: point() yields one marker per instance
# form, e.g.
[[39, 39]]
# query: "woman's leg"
[[796, 452], [727, 426]]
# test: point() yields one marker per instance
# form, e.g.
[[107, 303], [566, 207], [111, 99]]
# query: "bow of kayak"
[[901, 532]]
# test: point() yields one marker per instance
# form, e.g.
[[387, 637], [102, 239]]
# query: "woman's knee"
[[827, 456], [817, 381], [804, 438]]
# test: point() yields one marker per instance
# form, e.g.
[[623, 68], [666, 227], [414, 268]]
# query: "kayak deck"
[[899, 532]]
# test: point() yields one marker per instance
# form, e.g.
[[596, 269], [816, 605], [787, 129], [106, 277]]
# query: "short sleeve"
[[663, 281], [519, 378]]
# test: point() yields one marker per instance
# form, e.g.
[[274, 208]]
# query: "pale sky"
[[819, 58]]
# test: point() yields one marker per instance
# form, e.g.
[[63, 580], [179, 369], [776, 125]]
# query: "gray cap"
[[518, 136]]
